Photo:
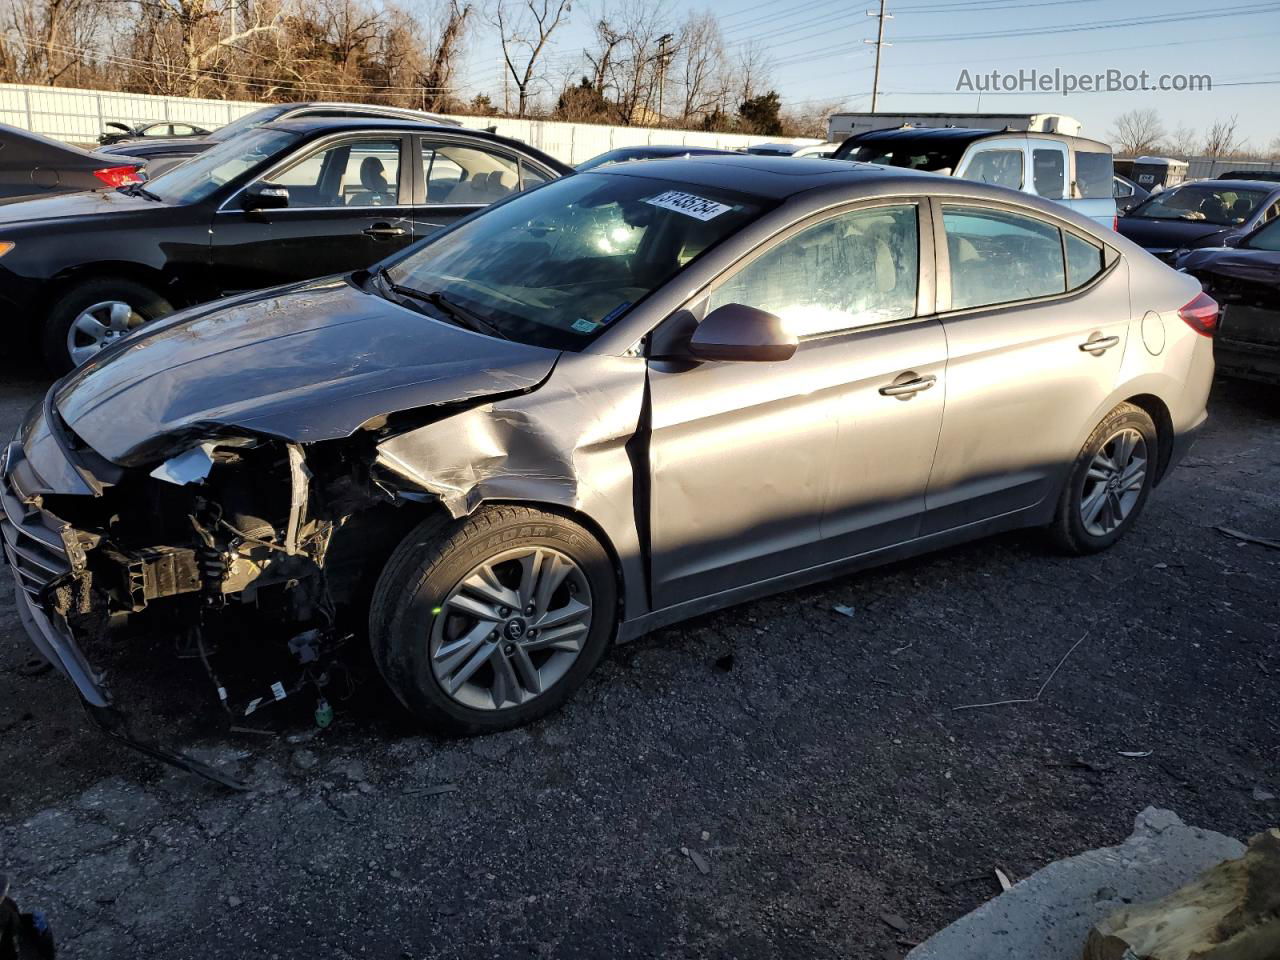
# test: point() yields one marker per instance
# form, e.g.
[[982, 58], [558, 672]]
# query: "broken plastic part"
[[193, 466]]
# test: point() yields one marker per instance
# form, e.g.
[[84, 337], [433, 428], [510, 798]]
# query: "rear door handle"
[[907, 388], [385, 230], [1099, 345]]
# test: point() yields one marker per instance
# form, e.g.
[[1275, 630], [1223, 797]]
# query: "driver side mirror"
[[265, 196], [738, 332]]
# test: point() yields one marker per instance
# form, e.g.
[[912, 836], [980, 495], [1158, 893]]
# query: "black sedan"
[[287, 201], [35, 166], [1245, 280], [155, 130], [165, 153], [1204, 213]]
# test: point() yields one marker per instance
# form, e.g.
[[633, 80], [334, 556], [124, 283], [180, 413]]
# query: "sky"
[[820, 56]]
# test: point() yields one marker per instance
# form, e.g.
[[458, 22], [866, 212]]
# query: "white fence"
[[1203, 168], [78, 116]]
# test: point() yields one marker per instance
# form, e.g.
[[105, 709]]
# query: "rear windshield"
[[1094, 175], [924, 153]]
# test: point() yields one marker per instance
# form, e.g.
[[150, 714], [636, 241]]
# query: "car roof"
[[966, 135], [761, 175], [308, 126], [1270, 186]]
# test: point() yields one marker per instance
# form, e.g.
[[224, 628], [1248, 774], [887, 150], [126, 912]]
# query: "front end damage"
[[225, 532]]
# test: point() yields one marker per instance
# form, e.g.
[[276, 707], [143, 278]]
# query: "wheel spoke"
[[1093, 505], [484, 583], [90, 326], [120, 314], [473, 607], [569, 637], [1122, 449], [530, 570], [505, 684], [468, 669], [573, 610], [453, 654], [529, 676], [1134, 475], [1098, 470], [550, 577]]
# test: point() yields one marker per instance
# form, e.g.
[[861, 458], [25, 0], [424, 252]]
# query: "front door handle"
[[380, 230], [906, 389], [1099, 345]]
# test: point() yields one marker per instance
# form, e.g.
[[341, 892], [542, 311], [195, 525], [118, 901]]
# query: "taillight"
[[1201, 315], [118, 176], [1115, 223]]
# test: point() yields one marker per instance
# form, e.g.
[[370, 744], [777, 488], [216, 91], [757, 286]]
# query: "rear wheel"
[[493, 621], [93, 315], [1109, 482]]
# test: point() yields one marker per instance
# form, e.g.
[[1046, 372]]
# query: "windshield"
[[555, 266], [255, 119], [204, 173], [922, 154], [1267, 238], [1201, 203]]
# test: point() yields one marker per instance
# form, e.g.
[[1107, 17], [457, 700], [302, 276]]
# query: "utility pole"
[[663, 40], [879, 44]]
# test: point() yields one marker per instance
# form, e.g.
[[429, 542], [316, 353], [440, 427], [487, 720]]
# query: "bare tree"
[[700, 67], [437, 78], [1137, 132], [1180, 143], [524, 28], [1221, 139]]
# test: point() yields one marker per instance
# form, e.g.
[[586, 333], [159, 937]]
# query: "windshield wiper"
[[454, 312], [138, 190]]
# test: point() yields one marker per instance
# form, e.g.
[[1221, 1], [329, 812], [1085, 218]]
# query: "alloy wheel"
[[99, 326], [1114, 482], [511, 628]]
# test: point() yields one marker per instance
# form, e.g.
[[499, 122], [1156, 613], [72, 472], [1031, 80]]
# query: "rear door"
[[349, 206], [1036, 319], [456, 177]]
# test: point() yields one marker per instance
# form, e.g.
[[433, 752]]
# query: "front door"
[[1030, 359], [758, 470], [349, 206], [457, 179]]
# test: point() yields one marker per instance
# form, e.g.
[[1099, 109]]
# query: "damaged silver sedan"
[[617, 401]]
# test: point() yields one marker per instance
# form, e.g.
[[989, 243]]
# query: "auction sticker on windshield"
[[689, 204]]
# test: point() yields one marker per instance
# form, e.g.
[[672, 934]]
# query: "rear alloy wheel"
[[1109, 482], [492, 621], [94, 315]]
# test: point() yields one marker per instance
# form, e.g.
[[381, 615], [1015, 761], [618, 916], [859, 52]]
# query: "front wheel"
[[1109, 482], [492, 621], [93, 315]]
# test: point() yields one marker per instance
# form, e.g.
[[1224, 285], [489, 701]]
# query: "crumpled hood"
[[306, 363]]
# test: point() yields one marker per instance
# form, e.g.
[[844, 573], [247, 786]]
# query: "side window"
[[1049, 172], [1001, 167], [364, 173], [999, 257], [1084, 260], [1095, 175], [531, 177], [853, 270], [1122, 189], [467, 175]]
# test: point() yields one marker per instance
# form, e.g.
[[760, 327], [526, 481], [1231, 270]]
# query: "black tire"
[[144, 301], [1068, 529], [430, 562]]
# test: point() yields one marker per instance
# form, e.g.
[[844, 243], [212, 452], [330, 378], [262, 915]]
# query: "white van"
[[1075, 172]]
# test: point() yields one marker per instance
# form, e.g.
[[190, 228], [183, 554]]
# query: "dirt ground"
[[815, 762]]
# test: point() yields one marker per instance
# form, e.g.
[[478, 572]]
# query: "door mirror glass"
[[738, 332], [266, 196]]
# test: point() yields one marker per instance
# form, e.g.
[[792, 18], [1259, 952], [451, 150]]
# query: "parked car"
[[1072, 171], [286, 201], [1157, 173], [156, 129], [823, 150], [653, 152], [1203, 213], [164, 154], [1268, 175], [1128, 194], [1245, 278], [35, 166], [623, 399]]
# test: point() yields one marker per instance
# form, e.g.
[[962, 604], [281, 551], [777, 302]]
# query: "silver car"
[[616, 401]]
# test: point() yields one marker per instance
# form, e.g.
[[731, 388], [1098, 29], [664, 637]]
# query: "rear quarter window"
[[1094, 175]]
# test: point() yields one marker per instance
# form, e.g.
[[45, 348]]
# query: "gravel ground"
[[811, 764]]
